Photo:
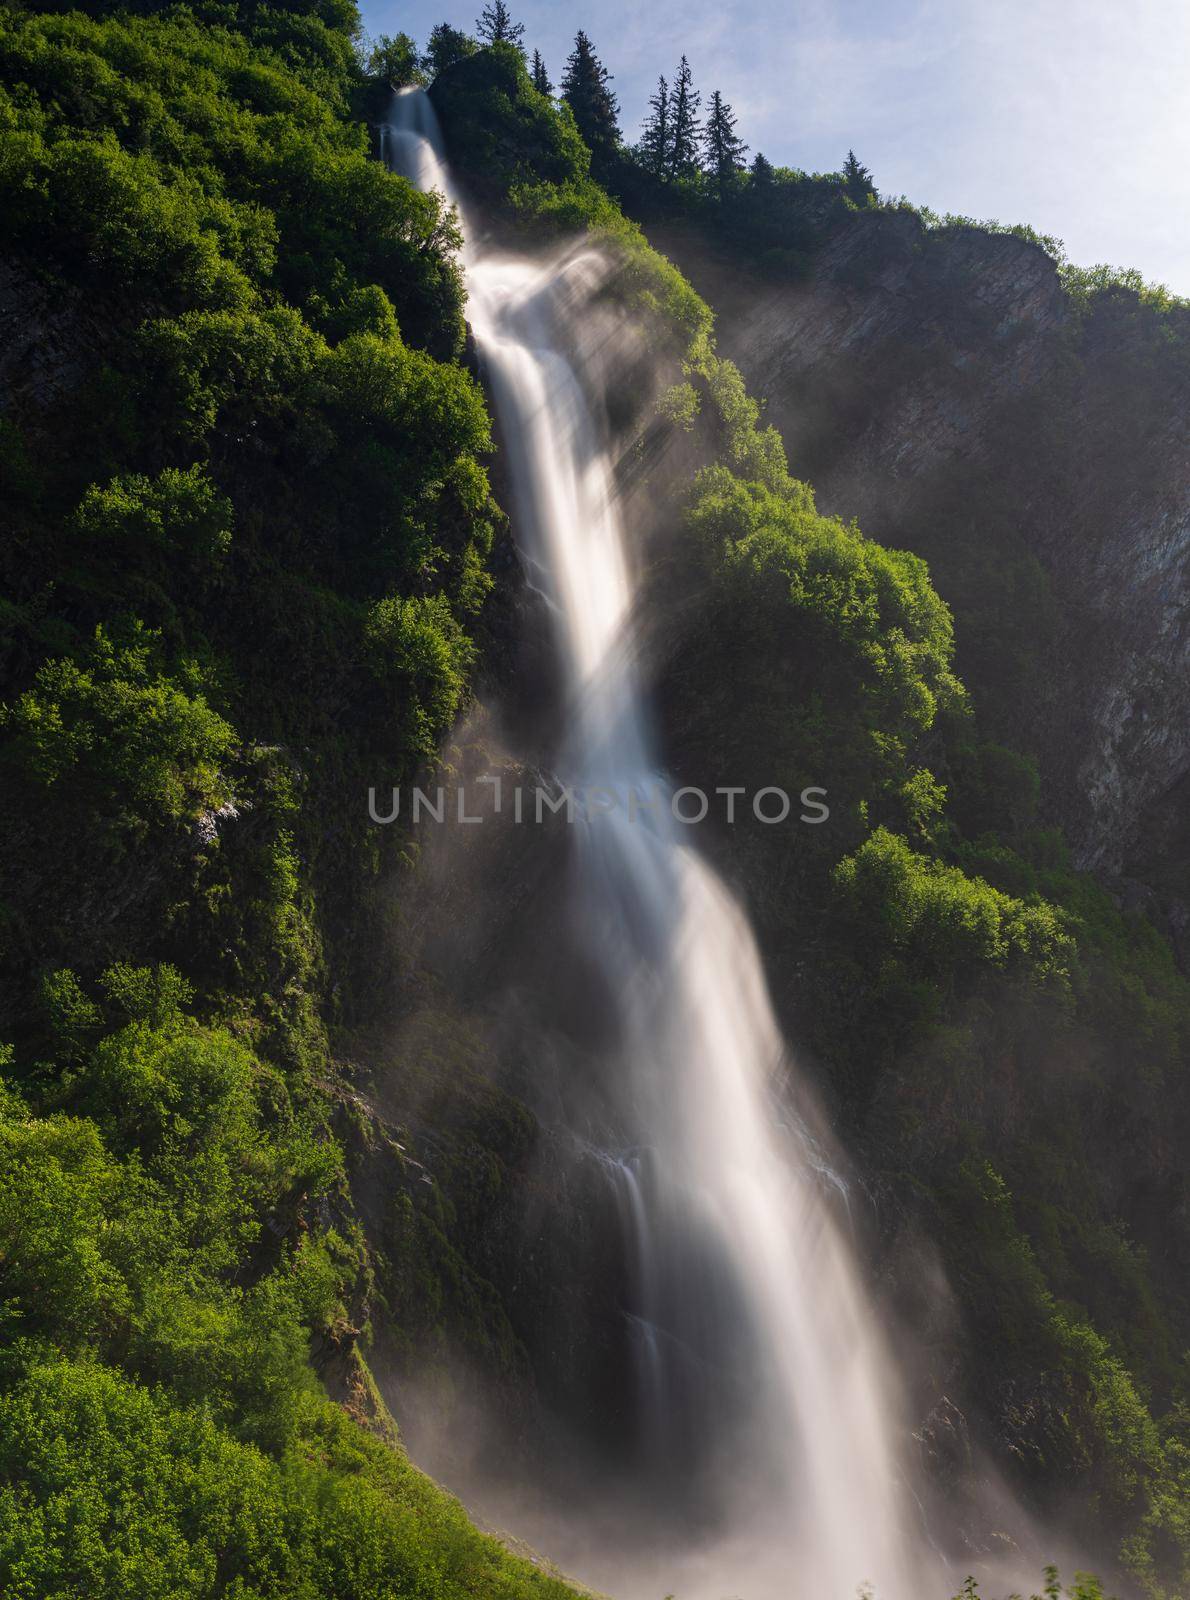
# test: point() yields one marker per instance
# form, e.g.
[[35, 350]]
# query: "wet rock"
[[944, 1442]]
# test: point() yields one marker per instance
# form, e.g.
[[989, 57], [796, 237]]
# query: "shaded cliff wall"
[[943, 388]]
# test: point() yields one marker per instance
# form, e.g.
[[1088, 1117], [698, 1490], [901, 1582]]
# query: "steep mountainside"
[[1012, 1096], [285, 1096], [1034, 445], [246, 527]]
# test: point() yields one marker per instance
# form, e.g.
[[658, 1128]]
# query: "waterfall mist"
[[766, 1420]]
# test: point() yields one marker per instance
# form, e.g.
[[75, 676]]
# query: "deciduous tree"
[[395, 60]]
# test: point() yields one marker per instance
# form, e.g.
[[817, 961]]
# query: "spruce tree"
[[723, 147], [585, 90], [762, 172], [684, 126], [857, 180], [541, 78], [495, 25], [655, 138], [446, 46]]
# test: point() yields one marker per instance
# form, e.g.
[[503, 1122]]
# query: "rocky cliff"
[[944, 388]]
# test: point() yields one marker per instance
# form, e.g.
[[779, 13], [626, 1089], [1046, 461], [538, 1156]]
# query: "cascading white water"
[[756, 1338]]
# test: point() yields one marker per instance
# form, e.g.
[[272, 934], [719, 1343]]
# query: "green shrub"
[[933, 916], [178, 513], [771, 555], [118, 727], [58, 1188], [417, 646]]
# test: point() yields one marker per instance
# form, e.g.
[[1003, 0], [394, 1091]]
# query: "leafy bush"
[[57, 1189], [121, 728], [500, 131], [771, 553], [180, 512], [109, 209], [417, 646], [132, 1238], [211, 1460], [914, 909]]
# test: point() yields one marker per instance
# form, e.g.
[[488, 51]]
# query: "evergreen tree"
[[857, 180], [762, 172], [722, 146], [541, 78], [585, 90], [684, 125], [495, 25], [447, 45], [655, 139]]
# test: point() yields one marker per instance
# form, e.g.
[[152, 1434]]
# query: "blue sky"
[[1071, 115]]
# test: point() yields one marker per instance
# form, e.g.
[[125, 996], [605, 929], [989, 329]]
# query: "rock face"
[[46, 338], [940, 387]]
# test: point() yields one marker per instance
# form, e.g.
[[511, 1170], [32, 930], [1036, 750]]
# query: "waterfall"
[[760, 1357]]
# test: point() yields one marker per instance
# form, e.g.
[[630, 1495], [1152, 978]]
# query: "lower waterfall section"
[[763, 1383]]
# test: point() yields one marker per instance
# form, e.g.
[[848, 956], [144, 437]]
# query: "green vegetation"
[[394, 61], [251, 537], [141, 1495], [161, 1431], [249, 526], [1083, 1588], [1082, 284], [983, 1014]]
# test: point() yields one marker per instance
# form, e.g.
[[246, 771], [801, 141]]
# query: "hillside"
[[1028, 439], [247, 523], [284, 1092]]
